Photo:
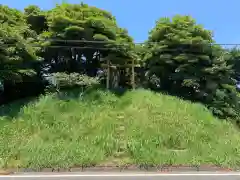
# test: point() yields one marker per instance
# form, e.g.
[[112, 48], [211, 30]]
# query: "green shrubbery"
[[73, 80]]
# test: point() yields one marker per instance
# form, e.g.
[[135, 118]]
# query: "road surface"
[[124, 176]]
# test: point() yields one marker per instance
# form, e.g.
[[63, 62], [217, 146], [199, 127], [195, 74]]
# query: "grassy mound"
[[139, 127]]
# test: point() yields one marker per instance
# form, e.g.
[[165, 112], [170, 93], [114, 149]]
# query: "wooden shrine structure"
[[111, 68]]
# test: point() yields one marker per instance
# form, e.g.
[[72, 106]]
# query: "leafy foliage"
[[15, 52], [18, 59], [179, 57], [234, 59], [72, 80], [186, 64], [70, 26]]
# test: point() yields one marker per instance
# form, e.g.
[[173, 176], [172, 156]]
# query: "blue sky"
[[139, 16]]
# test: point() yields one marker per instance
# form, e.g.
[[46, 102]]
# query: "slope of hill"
[[139, 127]]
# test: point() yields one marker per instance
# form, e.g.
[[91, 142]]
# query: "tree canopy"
[[179, 57], [17, 55], [187, 63], [81, 33]]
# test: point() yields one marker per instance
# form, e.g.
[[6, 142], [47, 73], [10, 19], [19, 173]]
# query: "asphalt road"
[[124, 176]]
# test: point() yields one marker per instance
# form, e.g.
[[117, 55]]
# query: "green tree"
[[235, 61], [36, 19], [69, 25], [17, 57], [184, 61]]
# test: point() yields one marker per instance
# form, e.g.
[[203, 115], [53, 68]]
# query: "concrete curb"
[[127, 168], [4, 172]]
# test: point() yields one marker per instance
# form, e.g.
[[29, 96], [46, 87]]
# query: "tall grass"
[[139, 127]]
